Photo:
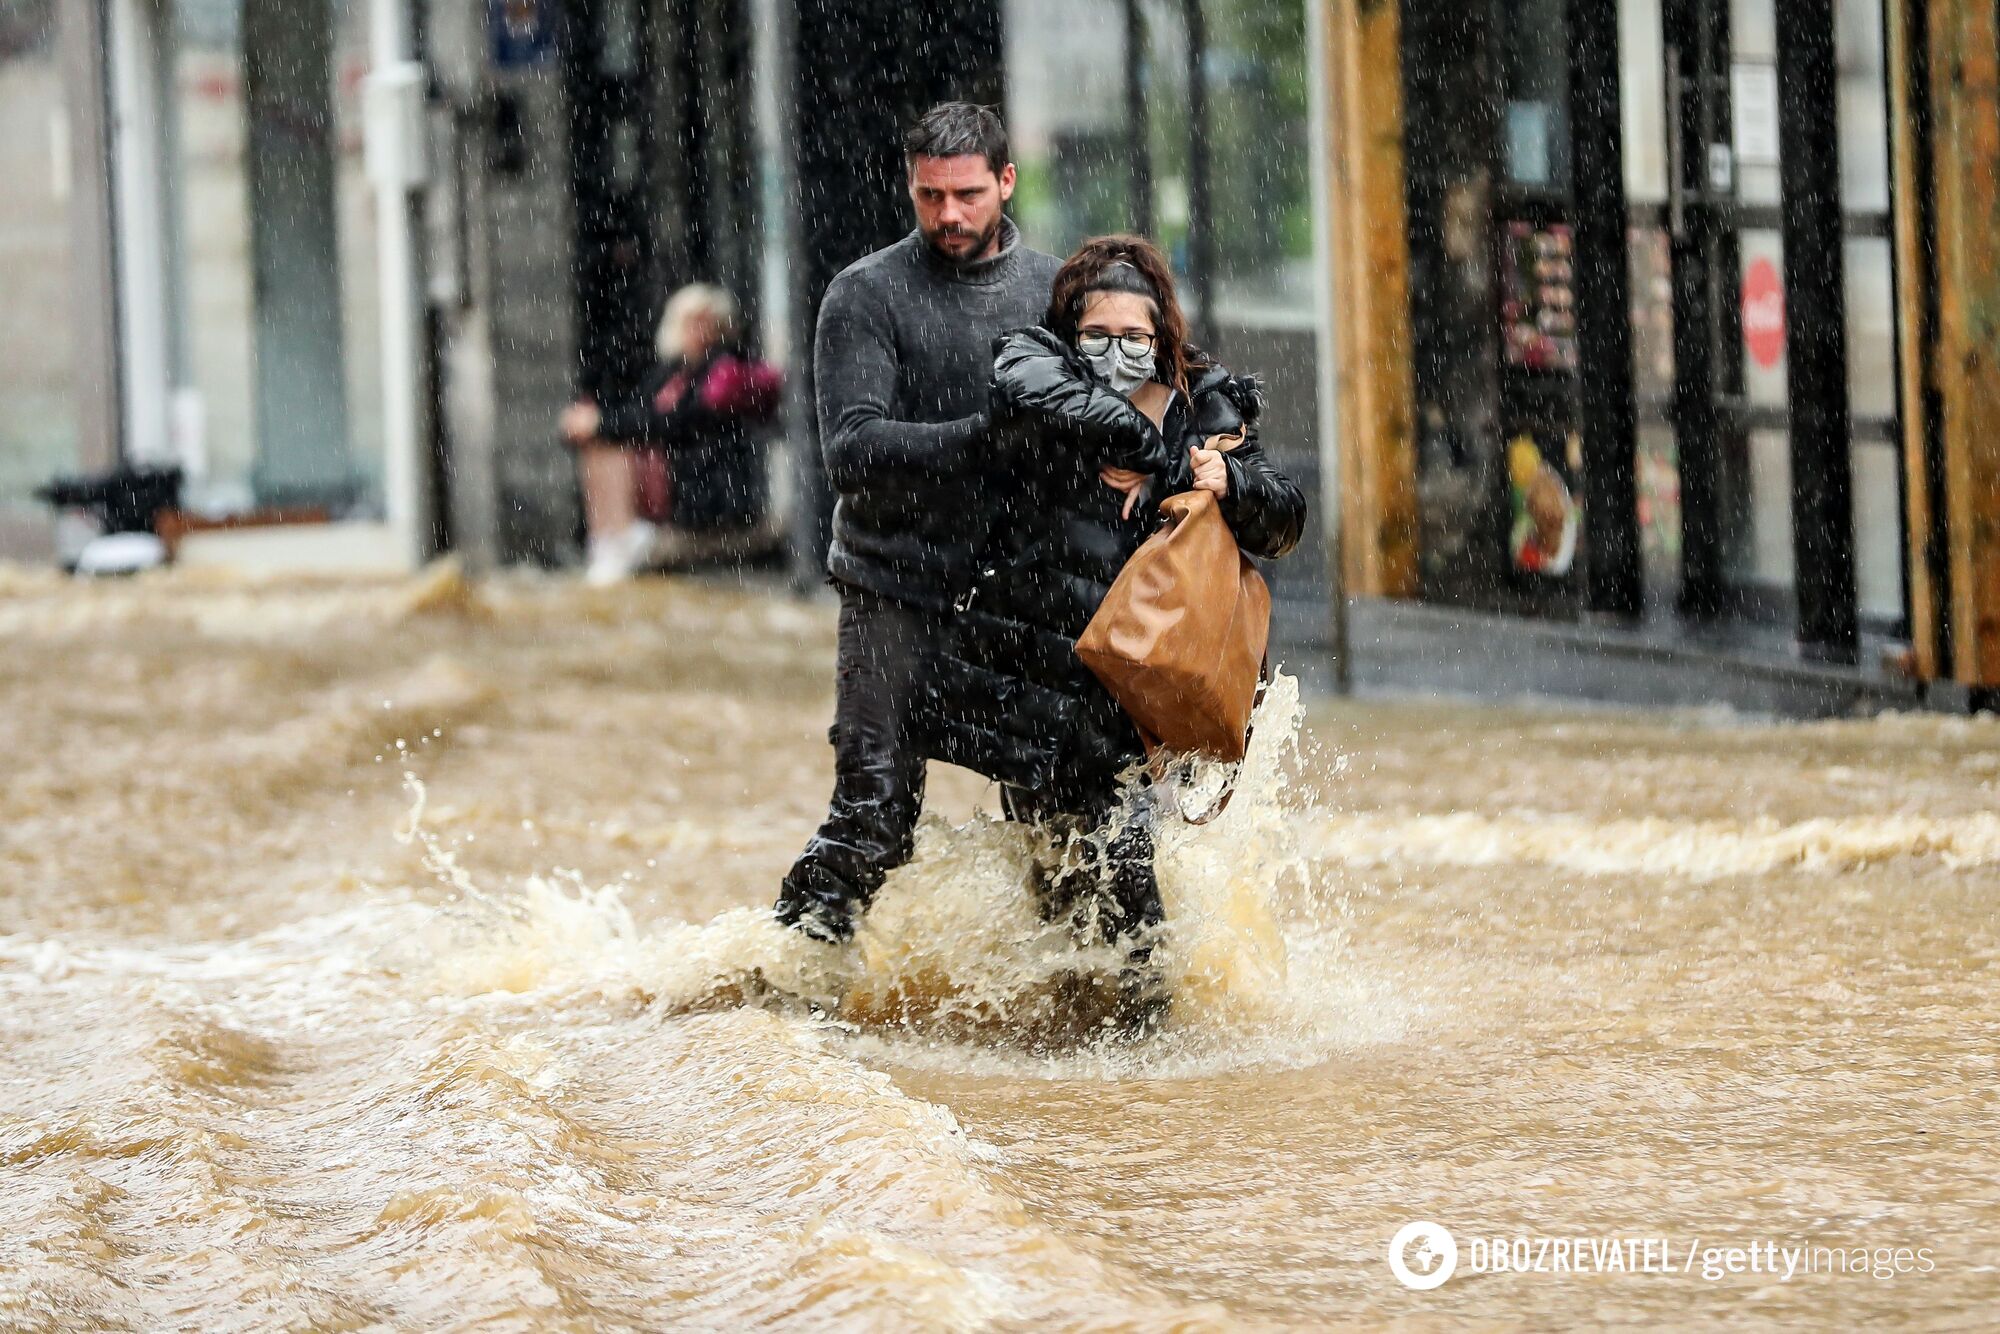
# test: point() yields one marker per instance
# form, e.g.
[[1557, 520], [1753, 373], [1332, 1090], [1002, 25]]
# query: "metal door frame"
[[1709, 412]]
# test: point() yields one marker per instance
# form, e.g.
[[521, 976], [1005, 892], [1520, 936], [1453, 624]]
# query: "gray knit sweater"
[[901, 363]]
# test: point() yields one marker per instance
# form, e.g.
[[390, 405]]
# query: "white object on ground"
[[121, 553]]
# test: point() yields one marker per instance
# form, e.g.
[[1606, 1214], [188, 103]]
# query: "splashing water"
[[953, 959]]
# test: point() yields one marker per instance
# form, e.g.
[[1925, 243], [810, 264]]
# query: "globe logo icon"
[[1422, 1255]]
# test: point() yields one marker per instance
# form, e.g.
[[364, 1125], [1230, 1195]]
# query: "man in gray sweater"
[[901, 362]]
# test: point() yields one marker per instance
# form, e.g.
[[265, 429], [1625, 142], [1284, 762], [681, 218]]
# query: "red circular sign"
[[1764, 314]]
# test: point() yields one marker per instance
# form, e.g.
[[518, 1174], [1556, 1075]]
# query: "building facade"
[[194, 188], [579, 161], [1640, 322], [1666, 319]]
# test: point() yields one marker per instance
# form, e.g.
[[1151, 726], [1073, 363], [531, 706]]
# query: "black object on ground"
[[126, 499]]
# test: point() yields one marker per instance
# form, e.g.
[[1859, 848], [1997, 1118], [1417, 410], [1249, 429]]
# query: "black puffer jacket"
[[1010, 698]]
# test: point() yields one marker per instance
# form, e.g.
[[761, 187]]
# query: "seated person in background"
[[680, 447]]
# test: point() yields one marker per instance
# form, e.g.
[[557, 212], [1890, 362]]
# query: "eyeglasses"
[[1092, 343]]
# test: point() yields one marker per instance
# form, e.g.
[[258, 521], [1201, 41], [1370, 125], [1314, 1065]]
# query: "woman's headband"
[[1122, 276]]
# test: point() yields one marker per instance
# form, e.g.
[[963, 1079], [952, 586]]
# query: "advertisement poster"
[[1547, 517], [1537, 300]]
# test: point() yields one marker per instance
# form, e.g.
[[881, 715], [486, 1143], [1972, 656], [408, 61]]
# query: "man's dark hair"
[[954, 129]]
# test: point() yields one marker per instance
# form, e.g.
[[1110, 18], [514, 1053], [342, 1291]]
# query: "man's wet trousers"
[[881, 658]]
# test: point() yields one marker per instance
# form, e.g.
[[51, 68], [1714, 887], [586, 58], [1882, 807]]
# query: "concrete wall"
[[501, 241], [1284, 359], [528, 225]]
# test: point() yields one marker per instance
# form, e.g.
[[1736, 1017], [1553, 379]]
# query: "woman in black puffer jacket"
[[1097, 415]]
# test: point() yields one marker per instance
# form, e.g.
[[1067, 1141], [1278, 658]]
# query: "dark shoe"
[[826, 922], [1140, 1015], [1144, 1003], [820, 903]]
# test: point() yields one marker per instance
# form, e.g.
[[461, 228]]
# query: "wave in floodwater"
[[954, 965], [531, 1109], [284, 1131], [1720, 947], [1696, 850]]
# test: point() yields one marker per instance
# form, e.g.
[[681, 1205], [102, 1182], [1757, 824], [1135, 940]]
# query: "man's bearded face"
[[959, 203]]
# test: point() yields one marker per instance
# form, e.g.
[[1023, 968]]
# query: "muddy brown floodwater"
[[369, 957]]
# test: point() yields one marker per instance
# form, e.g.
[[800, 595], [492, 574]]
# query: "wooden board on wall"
[[1916, 338], [1964, 53], [1371, 261]]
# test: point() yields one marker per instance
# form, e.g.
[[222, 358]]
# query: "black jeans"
[[882, 659]]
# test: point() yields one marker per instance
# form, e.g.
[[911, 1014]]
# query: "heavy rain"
[[1117, 664]]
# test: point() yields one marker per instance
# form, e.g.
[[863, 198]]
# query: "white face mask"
[[1119, 369]]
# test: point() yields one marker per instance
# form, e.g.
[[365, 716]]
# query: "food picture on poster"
[[1547, 517], [1537, 300]]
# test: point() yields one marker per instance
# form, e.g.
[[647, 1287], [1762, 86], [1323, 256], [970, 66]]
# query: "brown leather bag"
[[1179, 640]]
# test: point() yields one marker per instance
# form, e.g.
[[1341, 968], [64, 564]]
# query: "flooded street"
[[371, 956]]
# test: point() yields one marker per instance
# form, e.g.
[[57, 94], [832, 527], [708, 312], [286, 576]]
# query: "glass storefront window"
[[37, 379], [1066, 119], [1879, 545], [1263, 306], [1167, 125], [211, 195], [1864, 106], [1534, 77], [1764, 548], [1066, 63], [1642, 91], [1074, 142], [1870, 293], [1862, 112], [1878, 530], [1261, 182], [1651, 279], [1764, 557], [1659, 503], [214, 186], [1871, 328], [1753, 42]]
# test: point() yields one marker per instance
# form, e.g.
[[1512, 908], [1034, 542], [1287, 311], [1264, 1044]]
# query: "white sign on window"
[[1753, 93], [1528, 142]]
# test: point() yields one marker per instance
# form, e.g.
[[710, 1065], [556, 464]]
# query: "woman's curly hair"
[[1126, 263]]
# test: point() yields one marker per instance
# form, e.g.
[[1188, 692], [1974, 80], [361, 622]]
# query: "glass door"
[[1730, 398], [275, 331]]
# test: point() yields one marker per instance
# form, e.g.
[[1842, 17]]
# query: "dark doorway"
[[1760, 400], [610, 68], [1520, 307], [1560, 473]]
